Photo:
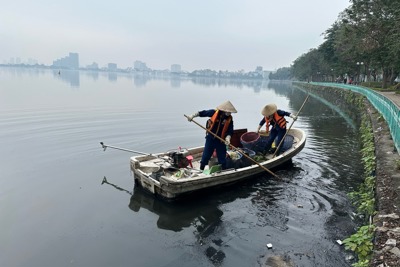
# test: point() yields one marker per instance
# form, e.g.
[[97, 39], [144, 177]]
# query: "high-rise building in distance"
[[70, 62]]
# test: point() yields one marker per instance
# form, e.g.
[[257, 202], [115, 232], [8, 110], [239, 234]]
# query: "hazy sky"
[[197, 34]]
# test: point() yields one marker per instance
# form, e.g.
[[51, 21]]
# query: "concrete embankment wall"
[[385, 123], [389, 109], [384, 115]]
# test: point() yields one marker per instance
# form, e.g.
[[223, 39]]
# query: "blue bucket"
[[249, 152], [287, 144]]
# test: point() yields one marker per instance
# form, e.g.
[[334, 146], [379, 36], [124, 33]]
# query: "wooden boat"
[[176, 173]]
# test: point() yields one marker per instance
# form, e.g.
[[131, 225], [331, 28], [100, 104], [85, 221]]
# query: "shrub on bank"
[[373, 85]]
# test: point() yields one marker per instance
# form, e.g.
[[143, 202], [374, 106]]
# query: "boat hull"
[[150, 171]]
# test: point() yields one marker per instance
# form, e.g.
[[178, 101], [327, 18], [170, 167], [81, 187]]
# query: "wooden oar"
[[280, 143], [244, 154]]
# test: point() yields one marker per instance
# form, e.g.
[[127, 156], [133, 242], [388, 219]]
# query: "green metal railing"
[[389, 110]]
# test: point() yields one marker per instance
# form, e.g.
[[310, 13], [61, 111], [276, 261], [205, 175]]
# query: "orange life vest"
[[279, 120], [215, 119]]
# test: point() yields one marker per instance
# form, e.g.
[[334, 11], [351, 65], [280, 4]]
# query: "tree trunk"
[[385, 78]]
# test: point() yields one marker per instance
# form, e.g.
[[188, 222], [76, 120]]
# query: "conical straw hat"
[[227, 107], [269, 109]]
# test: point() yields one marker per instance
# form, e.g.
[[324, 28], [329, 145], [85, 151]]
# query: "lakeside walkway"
[[395, 98]]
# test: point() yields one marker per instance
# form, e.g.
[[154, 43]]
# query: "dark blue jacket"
[[210, 113], [272, 123]]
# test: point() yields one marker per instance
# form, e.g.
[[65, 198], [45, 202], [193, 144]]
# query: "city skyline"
[[71, 61], [220, 35]]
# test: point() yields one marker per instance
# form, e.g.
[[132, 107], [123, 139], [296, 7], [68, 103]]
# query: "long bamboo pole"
[[244, 154], [281, 142]]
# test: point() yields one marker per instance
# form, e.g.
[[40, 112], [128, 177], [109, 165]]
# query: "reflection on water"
[[204, 217], [330, 101], [69, 76], [49, 142], [178, 215], [105, 181], [203, 214], [72, 77], [112, 76], [92, 74], [175, 82]]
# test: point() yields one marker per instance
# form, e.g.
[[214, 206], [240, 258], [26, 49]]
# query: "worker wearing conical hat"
[[221, 124], [274, 118]]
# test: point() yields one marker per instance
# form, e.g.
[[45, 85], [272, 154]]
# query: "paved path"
[[392, 96]]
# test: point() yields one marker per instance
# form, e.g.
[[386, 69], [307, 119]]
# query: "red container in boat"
[[249, 138]]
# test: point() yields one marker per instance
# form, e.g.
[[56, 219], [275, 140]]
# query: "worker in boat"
[[274, 118], [221, 124]]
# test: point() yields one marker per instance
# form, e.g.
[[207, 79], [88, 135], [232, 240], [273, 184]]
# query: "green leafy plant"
[[364, 198], [361, 242], [364, 263]]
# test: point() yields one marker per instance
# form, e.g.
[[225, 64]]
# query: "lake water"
[[55, 210]]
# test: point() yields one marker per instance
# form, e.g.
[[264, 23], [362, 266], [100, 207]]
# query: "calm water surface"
[[55, 211]]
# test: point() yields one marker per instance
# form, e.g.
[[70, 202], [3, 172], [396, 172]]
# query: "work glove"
[[227, 140], [294, 117], [190, 118], [258, 128]]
